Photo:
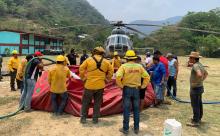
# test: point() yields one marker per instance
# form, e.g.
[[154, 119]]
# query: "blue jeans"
[[158, 89], [130, 95], [27, 93], [55, 106]]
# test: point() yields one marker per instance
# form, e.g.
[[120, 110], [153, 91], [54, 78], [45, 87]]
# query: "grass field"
[[39, 123]]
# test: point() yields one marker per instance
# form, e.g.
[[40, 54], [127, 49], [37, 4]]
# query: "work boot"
[[192, 120], [123, 131], [136, 131], [95, 120], [83, 120], [193, 124]]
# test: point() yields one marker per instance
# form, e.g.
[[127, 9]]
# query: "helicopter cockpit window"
[[124, 41], [112, 41]]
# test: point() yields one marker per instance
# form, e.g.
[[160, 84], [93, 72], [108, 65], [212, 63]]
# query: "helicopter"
[[119, 40]]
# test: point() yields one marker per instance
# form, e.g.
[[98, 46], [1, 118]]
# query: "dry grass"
[[39, 123]]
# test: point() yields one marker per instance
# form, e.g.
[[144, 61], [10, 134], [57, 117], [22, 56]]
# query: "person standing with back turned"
[[198, 75], [57, 77], [94, 71], [128, 78]]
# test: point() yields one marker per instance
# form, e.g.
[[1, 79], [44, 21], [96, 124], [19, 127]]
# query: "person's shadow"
[[204, 126]]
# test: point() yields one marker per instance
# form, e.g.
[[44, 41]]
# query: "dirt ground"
[[40, 123]]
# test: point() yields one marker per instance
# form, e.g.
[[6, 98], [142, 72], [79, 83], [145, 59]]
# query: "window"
[[24, 37], [124, 41], [112, 41]]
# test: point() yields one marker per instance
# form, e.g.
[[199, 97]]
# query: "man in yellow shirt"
[[58, 87], [116, 61], [21, 70], [13, 64], [128, 78], [94, 71]]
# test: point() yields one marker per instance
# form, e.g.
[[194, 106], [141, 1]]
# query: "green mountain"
[[40, 15]]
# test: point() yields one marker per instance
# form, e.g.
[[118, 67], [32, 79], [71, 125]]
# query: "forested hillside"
[[182, 42], [40, 15]]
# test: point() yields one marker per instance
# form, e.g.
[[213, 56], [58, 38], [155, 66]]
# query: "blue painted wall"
[[9, 37]]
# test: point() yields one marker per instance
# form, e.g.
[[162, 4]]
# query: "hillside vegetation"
[[181, 42], [40, 15]]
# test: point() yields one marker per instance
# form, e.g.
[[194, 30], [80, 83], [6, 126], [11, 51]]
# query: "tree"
[[3, 8], [208, 45]]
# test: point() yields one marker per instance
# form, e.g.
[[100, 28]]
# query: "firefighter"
[[94, 71], [13, 64], [21, 70], [58, 87], [128, 78], [116, 61]]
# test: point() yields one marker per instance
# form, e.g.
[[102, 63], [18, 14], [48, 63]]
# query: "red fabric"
[[112, 98], [164, 60]]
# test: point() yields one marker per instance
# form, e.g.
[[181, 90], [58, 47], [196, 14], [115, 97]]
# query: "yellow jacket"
[[130, 74], [21, 69], [57, 78], [93, 77], [116, 62], [13, 63]]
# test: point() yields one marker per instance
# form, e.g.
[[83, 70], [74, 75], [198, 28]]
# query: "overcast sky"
[[130, 10]]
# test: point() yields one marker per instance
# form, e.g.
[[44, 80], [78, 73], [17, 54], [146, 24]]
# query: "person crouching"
[[57, 80]]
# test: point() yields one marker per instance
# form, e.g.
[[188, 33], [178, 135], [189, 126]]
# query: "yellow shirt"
[[93, 77], [13, 63], [21, 69], [116, 62], [130, 74], [57, 78]]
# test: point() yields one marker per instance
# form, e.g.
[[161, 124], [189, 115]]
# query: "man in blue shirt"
[[158, 75]]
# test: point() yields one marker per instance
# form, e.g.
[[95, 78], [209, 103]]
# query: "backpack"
[[98, 64]]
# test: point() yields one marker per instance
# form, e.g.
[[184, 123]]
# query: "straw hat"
[[169, 55], [194, 55]]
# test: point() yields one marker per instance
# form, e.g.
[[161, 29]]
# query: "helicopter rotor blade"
[[132, 29], [66, 27], [146, 36], [176, 27]]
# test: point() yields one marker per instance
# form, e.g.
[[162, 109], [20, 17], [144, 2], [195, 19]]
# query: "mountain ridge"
[[149, 30]]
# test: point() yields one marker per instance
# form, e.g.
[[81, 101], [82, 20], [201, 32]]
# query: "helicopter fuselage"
[[118, 42]]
